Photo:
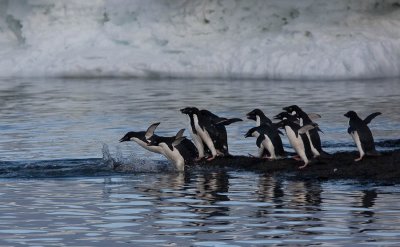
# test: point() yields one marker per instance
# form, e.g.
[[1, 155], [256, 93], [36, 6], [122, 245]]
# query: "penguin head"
[[282, 123], [250, 132], [351, 114], [190, 110], [129, 136], [292, 108], [285, 115], [252, 115]]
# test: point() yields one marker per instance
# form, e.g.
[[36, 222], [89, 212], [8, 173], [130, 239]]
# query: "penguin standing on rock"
[[208, 131], [305, 119], [268, 140], [298, 139], [267, 134], [361, 134]]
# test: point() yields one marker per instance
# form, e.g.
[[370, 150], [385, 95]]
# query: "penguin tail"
[[325, 155], [373, 153]]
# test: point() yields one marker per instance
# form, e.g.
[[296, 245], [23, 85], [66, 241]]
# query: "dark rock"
[[341, 165]]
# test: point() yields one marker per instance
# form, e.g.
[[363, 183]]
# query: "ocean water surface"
[[59, 142]]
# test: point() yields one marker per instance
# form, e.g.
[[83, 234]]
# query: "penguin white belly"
[[313, 149], [198, 143], [356, 139], [174, 156], [154, 149], [297, 144], [258, 120], [205, 136], [267, 143]]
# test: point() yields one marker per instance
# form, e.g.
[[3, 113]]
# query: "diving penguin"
[[141, 138], [179, 150]]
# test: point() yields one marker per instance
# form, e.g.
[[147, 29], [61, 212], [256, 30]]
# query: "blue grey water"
[[59, 139]]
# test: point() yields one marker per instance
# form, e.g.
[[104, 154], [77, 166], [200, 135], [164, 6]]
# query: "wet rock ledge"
[[341, 165]]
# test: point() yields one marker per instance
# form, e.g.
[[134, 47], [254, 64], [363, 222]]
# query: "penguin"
[[361, 134], [267, 139], [141, 138], [258, 116], [313, 134], [208, 131], [298, 139], [179, 150]]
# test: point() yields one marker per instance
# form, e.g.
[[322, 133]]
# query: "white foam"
[[132, 163], [278, 39]]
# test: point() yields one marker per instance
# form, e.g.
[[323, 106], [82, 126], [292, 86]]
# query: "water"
[[59, 143]]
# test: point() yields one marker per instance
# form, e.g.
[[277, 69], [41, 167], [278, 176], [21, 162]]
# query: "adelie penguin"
[[258, 116], [306, 119], [208, 130], [267, 139], [179, 150], [361, 134], [272, 138], [142, 138], [298, 139]]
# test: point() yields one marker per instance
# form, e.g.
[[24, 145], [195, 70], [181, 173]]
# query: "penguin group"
[[210, 139]]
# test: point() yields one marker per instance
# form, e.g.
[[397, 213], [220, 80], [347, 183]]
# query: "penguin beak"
[[250, 116], [346, 115], [124, 139]]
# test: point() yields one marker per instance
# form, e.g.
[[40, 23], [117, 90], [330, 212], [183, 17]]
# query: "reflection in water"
[[199, 208]]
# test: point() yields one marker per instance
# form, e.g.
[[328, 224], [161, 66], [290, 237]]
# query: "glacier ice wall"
[[276, 39]]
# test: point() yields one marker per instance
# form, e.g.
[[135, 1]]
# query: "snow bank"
[[280, 39]]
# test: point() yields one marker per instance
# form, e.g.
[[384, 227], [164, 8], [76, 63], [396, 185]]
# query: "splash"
[[131, 163]]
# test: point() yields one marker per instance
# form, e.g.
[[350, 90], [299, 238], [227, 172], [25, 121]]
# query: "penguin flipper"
[[313, 116], [260, 139], [178, 141], [368, 119], [228, 121], [307, 127], [179, 134], [150, 130], [350, 130]]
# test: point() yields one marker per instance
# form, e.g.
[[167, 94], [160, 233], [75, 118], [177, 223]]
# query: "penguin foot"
[[296, 157], [211, 158], [198, 159], [358, 159], [303, 166]]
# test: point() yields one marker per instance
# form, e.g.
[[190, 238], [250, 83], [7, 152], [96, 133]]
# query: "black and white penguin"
[[298, 139], [142, 137], [361, 134], [258, 116], [208, 130], [179, 150], [313, 135], [267, 139]]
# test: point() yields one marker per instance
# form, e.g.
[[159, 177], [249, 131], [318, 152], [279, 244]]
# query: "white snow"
[[275, 39]]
